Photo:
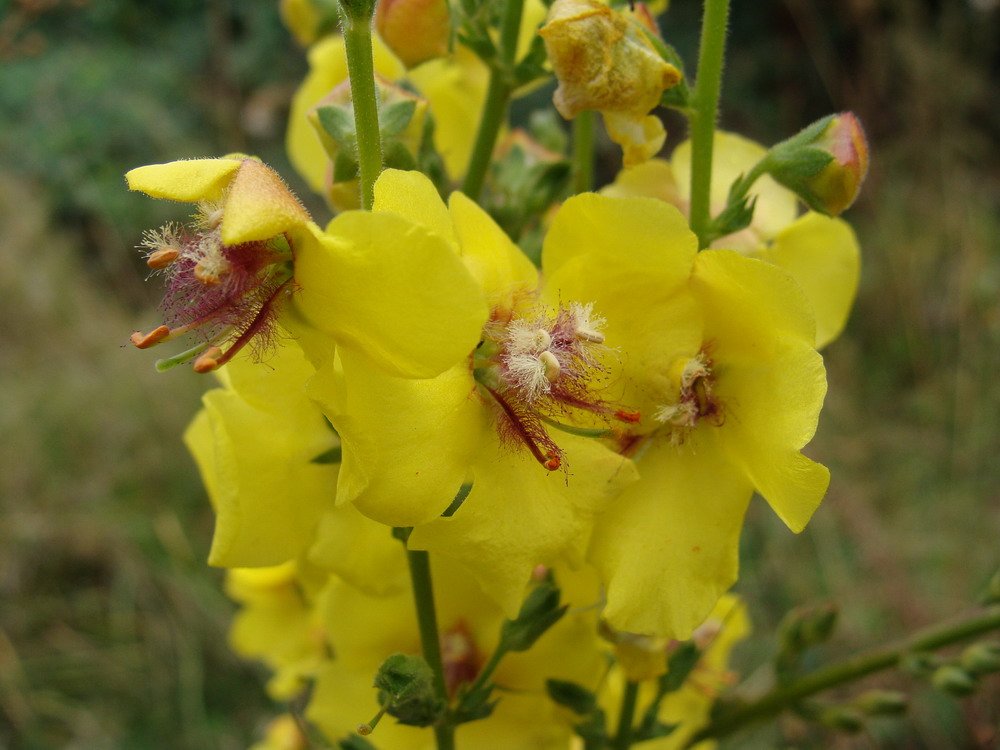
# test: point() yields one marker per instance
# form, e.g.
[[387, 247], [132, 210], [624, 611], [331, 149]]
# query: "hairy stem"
[[704, 113], [497, 99], [583, 152], [361, 69]]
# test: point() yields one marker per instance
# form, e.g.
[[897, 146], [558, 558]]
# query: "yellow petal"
[[823, 256], [518, 515], [494, 261], [391, 289], [770, 380], [456, 90], [667, 548], [407, 443], [259, 206], [191, 181], [642, 231], [413, 196], [732, 156], [651, 179], [360, 551], [267, 495]]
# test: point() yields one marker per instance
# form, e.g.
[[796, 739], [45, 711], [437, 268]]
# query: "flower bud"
[[406, 686], [842, 718], [825, 164], [981, 658], [991, 595], [882, 703], [415, 30], [603, 62], [954, 680], [540, 611]]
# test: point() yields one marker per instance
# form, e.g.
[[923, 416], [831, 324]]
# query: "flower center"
[[227, 296], [695, 400], [544, 369], [459, 656]]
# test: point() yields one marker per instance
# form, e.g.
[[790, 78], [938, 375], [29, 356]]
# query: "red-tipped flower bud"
[[416, 30], [825, 164]]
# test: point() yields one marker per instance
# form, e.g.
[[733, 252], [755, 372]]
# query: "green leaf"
[[539, 612], [576, 698], [345, 167], [354, 742]]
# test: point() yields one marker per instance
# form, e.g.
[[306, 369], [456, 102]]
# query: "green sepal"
[[406, 686], [576, 698], [474, 704], [354, 742], [345, 166], [991, 595], [539, 612], [339, 125], [393, 118]]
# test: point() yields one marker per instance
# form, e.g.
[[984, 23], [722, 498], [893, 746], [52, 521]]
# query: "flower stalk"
[[847, 671], [356, 18], [497, 98], [583, 152], [704, 112], [623, 737], [430, 640]]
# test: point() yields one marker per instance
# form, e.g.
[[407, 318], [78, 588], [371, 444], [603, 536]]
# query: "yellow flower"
[[604, 62], [821, 253], [722, 367], [252, 247], [411, 445], [365, 630], [689, 707]]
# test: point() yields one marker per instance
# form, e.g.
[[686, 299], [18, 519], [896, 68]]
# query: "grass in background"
[[112, 628]]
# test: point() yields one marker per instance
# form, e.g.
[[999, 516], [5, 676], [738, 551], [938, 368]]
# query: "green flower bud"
[[825, 164], [992, 593], [882, 703], [539, 612], [406, 687], [981, 658], [954, 680]]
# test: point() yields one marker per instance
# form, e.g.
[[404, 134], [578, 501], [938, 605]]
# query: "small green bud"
[[919, 664], [991, 595], [882, 703], [539, 612], [981, 658], [575, 697], [406, 687], [954, 680], [354, 742], [843, 718]]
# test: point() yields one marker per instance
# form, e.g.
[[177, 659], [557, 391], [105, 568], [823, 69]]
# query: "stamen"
[[548, 459], [208, 361], [162, 365], [553, 462], [146, 340], [628, 416], [160, 259], [552, 368], [206, 274]]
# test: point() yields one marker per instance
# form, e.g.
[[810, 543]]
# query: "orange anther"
[[160, 259], [146, 340], [552, 462], [206, 277], [208, 361], [628, 416]]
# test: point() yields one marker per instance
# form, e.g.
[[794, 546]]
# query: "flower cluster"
[[598, 417]]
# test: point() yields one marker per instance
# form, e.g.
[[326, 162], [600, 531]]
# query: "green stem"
[[704, 112], [486, 672], [851, 669], [623, 737], [360, 67], [423, 596], [497, 99], [583, 152]]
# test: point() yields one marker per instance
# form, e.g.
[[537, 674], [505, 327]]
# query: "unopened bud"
[[843, 718], [604, 62], [954, 680], [406, 688], [991, 595], [825, 164], [919, 664], [540, 611], [415, 30], [882, 702], [981, 658]]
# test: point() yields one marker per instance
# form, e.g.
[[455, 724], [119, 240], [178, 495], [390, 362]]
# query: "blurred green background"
[[113, 629]]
